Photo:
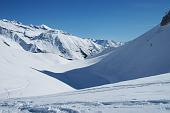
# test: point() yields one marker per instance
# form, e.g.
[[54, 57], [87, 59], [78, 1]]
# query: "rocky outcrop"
[[165, 19]]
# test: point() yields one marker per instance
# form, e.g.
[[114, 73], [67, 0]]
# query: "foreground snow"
[[151, 94]]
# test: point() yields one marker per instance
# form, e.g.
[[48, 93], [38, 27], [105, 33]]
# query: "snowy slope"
[[40, 39], [145, 56], [148, 55], [150, 94], [19, 75], [27, 49]]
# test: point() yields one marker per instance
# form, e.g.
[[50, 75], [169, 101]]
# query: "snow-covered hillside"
[[148, 55], [150, 94], [42, 39], [19, 76]]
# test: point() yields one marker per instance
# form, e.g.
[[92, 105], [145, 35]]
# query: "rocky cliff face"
[[165, 19]]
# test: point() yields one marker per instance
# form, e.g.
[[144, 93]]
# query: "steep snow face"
[[44, 39], [145, 56], [108, 43]]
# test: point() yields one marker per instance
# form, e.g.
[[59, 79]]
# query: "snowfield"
[[143, 95]]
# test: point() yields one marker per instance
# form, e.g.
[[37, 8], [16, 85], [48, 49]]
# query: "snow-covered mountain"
[[40, 39], [19, 67], [147, 55], [108, 43], [19, 75]]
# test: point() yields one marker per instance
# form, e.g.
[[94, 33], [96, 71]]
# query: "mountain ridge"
[[45, 39]]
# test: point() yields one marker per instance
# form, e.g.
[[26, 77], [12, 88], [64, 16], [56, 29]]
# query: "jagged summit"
[[13, 21], [45, 27]]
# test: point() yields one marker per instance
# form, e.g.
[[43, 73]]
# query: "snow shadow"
[[91, 77], [78, 78]]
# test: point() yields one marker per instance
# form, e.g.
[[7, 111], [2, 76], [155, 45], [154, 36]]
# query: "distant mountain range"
[[43, 39], [108, 43]]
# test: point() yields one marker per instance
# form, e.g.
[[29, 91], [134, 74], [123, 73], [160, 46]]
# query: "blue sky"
[[120, 20]]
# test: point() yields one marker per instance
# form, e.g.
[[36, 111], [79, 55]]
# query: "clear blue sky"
[[120, 20]]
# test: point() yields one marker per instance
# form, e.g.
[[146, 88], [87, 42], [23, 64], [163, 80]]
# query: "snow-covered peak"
[[108, 43], [20, 29], [46, 39], [45, 27], [13, 21]]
